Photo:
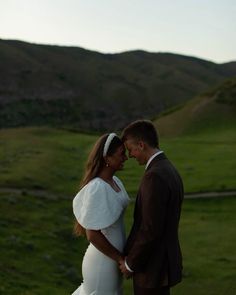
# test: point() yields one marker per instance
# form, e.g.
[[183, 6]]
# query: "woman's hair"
[[94, 165], [142, 130]]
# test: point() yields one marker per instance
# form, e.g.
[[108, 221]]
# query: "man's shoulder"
[[160, 170], [157, 167], [151, 175]]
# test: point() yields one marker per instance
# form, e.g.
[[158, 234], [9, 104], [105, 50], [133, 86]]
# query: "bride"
[[99, 207]]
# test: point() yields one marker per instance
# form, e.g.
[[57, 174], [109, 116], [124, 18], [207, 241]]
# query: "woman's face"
[[116, 161]]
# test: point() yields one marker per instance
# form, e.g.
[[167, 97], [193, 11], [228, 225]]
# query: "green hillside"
[[53, 160], [64, 86], [40, 169], [214, 111], [196, 138], [39, 175]]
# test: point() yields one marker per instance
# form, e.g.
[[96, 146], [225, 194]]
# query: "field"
[[40, 256], [53, 160], [40, 170]]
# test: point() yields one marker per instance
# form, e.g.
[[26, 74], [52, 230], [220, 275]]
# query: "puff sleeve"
[[95, 206]]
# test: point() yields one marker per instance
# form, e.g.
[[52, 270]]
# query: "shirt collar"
[[152, 157]]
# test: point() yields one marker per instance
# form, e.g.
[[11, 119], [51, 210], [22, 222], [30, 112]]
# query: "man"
[[153, 255]]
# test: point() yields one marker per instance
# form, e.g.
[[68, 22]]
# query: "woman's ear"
[[106, 161]]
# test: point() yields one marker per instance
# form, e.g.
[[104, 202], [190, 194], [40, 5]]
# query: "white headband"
[[107, 143]]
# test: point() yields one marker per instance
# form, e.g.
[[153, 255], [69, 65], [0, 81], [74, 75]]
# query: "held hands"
[[127, 274]]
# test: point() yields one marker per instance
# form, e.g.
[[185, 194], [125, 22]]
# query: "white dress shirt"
[[152, 157]]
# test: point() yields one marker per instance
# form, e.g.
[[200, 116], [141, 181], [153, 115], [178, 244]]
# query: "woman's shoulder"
[[95, 183], [95, 206], [92, 187]]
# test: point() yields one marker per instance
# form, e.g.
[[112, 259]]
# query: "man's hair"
[[141, 130]]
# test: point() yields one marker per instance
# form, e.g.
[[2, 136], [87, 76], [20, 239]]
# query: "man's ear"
[[141, 145]]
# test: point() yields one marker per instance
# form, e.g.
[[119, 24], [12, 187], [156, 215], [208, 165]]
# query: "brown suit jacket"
[[152, 249]]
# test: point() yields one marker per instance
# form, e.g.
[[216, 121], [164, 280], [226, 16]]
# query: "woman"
[[99, 207]]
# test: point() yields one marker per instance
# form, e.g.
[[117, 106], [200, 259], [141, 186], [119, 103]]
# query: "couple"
[[151, 255]]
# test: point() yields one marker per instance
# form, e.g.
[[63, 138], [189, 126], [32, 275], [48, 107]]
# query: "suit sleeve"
[[154, 194]]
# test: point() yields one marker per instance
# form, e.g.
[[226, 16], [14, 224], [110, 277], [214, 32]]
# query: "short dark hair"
[[142, 130]]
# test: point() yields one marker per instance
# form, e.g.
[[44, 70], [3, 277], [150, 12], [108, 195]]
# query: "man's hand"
[[127, 274]]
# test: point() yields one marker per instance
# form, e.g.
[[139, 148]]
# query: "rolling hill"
[[40, 168], [213, 111], [87, 90], [198, 138]]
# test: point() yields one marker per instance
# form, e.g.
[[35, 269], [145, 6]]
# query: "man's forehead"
[[130, 141]]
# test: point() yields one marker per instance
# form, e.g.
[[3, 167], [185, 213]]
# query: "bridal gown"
[[99, 207]]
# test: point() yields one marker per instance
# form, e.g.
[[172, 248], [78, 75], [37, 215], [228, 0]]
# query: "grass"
[[40, 256], [53, 160], [43, 158], [205, 162], [209, 113], [207, 235], [207, 232]]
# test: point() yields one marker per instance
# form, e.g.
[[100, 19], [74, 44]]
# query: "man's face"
[[136, 150]]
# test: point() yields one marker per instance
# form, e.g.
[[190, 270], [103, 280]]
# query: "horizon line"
[[115, 52]]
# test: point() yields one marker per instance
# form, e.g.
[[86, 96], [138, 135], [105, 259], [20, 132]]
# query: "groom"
[[153, 255]]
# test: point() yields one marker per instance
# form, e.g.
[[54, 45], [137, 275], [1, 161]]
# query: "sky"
[[199, 28]]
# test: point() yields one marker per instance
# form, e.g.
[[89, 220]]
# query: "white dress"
[[99, 207]]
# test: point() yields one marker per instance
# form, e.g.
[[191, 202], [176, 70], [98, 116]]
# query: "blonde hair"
[[94, 165]]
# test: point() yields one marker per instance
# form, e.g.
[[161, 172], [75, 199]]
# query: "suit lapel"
[[137, 209], [153, 164]]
